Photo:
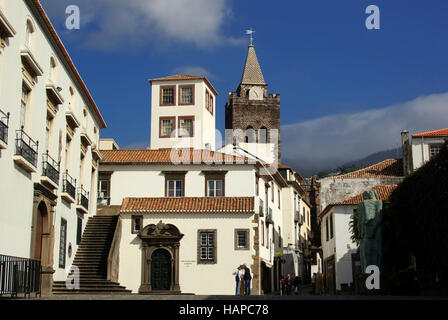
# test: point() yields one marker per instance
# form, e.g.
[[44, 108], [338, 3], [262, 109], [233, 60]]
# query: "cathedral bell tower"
[[254, 111]]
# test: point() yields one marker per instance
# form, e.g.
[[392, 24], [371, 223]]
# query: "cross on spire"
[[250, 32]]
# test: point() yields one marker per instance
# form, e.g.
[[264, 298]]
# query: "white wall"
[[195, 278], [420, 149], [16, 189], [149, 181]]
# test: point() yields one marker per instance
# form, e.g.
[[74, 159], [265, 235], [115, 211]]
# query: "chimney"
[[406, 148]]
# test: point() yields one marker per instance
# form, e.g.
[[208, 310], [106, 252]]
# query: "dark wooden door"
[[160, 270], [39, 231]]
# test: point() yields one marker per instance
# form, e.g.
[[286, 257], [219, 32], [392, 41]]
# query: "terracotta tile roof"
[[163, 156], [228, 205], [435, 133], [69, 61], [384, 192], [383, 169], [180, 77]]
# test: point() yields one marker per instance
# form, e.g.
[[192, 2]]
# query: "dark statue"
[[369, 228]]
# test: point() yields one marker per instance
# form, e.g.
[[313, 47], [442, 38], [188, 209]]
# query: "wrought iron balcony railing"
[[69, 185], [50, 168], [19, 275], [26, 147], [4, 125], [83, 198]]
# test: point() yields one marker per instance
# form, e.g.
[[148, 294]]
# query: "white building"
[[422, 148], [182, 112], [213, 195], [49, 131], [337, 245]]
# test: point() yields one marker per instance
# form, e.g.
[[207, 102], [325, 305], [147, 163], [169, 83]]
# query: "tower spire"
[[252, 72]]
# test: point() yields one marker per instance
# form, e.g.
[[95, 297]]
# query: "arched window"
[[52, 75], [29, 34], [250, 135], [263, 135]]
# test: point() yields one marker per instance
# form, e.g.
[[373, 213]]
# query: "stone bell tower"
[[252, 110]]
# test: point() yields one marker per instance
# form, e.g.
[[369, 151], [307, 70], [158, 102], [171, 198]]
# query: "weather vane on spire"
[[250, 32]]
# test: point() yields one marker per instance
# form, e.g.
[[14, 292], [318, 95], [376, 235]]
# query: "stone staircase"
[[91, 259]]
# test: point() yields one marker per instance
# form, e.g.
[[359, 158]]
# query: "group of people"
[[242, 276], [291, 285]]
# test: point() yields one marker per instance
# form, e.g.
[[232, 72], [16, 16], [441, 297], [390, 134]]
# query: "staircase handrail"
[[113, 257]]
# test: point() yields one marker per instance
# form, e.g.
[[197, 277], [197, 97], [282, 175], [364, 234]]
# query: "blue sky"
[[346, 91]]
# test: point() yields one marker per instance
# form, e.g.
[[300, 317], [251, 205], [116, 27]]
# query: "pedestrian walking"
[[289, 284], [237, 274], [282, 285], [313, 283], [247, 280]]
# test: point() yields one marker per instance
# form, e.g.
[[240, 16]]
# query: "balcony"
[[50, 172], [72, 122], [53, 94], [29, 60], [83, 200], [26, 151], [4, 125], [68, 188], [96, 153], [6, 28], [85, 139], [103, 199]]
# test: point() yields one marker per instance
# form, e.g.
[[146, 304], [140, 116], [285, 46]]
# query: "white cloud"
[[194, 71], [335, 139], [113, 23]]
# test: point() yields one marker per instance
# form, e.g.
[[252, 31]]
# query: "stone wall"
[[336, 189]]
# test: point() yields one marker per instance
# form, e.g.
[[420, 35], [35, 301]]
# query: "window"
[[48, 132], [262, 135], [331, 227], [267, 235], [272, 191], [266, 194], [304, 215], [79, 231], [52, 75], [207, 246], [214, 183], [278, 195], [241, 239], [186, 126], [28, 36], [167, 126], [280, 240], [250, 135], [136, 225], [260, 208], [174, 184], [186, 95], [104, 188], [62, 243], [257, 185], [209, 101], [168, 96], [434, 149], [175, 188], [23, 105], [262, 233], [215, 188], [326, 228]]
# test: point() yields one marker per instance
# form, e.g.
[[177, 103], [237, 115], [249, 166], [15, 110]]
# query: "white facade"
[[339, 245], [55, 109], [423, 148], [194, 277], [201, 110]]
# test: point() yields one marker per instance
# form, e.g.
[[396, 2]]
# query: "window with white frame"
[[186, 126], [215, 188], [434, 149], [186, 95], [167, 126]]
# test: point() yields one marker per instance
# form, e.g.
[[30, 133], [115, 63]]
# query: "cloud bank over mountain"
[[327, 142]]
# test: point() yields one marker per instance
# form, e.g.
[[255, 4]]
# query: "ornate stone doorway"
[[160, 259]]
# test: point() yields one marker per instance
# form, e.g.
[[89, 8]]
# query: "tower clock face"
[[256, 94]]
